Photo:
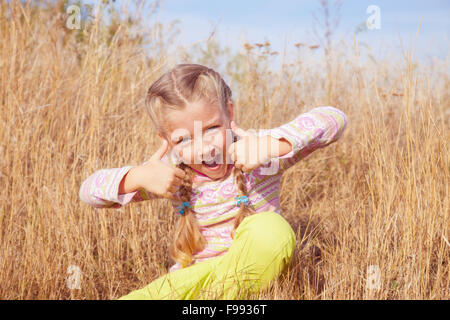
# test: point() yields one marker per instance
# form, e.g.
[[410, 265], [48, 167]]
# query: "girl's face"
[[198, 137]]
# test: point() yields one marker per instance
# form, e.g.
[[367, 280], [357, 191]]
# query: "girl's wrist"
[[130, 182], [137, 175]]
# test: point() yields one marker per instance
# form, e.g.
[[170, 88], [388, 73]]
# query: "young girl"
[[231, 239]]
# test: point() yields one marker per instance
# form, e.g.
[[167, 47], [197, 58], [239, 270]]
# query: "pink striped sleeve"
[[308, 132], [101, 189]]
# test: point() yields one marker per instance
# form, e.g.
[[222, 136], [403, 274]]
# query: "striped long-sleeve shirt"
[[214, 202]]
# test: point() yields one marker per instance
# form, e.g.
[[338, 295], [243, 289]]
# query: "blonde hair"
[[189, 83]]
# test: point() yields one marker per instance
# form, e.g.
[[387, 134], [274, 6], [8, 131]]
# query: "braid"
[[244, 211], [188, 237]]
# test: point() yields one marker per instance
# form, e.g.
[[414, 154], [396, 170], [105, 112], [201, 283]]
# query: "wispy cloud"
[[284, 23]]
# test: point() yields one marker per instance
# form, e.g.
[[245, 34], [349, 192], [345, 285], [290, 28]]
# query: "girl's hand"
[[157, 177], [252, 151]]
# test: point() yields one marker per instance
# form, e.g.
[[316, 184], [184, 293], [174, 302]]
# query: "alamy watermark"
[[209, 147], [373, 281], [73, 281], [74, 17], [374, 20]]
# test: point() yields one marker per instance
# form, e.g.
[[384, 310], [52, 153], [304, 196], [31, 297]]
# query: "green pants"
[[261, 249]]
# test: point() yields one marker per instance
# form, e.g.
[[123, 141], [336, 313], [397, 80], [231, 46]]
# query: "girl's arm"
[[156, 178], [308, 132], [101, 189]]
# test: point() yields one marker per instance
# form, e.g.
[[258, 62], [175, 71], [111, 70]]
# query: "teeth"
[[213, 160]]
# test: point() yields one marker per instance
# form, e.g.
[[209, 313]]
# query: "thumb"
[[239, 131], [161, 151]]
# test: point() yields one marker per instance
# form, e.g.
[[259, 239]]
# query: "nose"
[[208, 152]]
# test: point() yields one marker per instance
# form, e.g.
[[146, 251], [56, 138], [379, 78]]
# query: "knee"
[[270, 234]]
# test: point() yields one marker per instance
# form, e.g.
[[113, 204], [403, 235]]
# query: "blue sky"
[[285, 22]]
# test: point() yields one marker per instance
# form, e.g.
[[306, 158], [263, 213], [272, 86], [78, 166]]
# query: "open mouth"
[[213, 164]]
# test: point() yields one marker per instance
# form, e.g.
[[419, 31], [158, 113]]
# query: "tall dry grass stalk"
[[71, 103]]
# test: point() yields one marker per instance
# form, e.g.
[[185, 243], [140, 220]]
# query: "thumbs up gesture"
[[155, 176], [159, 177], [251, 150]]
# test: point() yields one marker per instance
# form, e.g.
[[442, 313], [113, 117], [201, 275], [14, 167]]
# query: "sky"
[[286, 22]]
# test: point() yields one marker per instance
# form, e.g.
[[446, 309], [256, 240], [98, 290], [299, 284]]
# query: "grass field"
[[371, 211]]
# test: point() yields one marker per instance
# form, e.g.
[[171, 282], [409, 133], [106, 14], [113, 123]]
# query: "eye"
[[213, 127], [183, 140]]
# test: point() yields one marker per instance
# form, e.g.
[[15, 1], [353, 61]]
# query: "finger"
[[248, 169], [239, 131], [236, 150], [177, 181], [179, 173], [169, 195], [173, 189], [238, 165], [231, 152], [162, 150], [244, 169], [240, 155]]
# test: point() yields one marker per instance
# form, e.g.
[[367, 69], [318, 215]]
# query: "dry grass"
[[72, 104]]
